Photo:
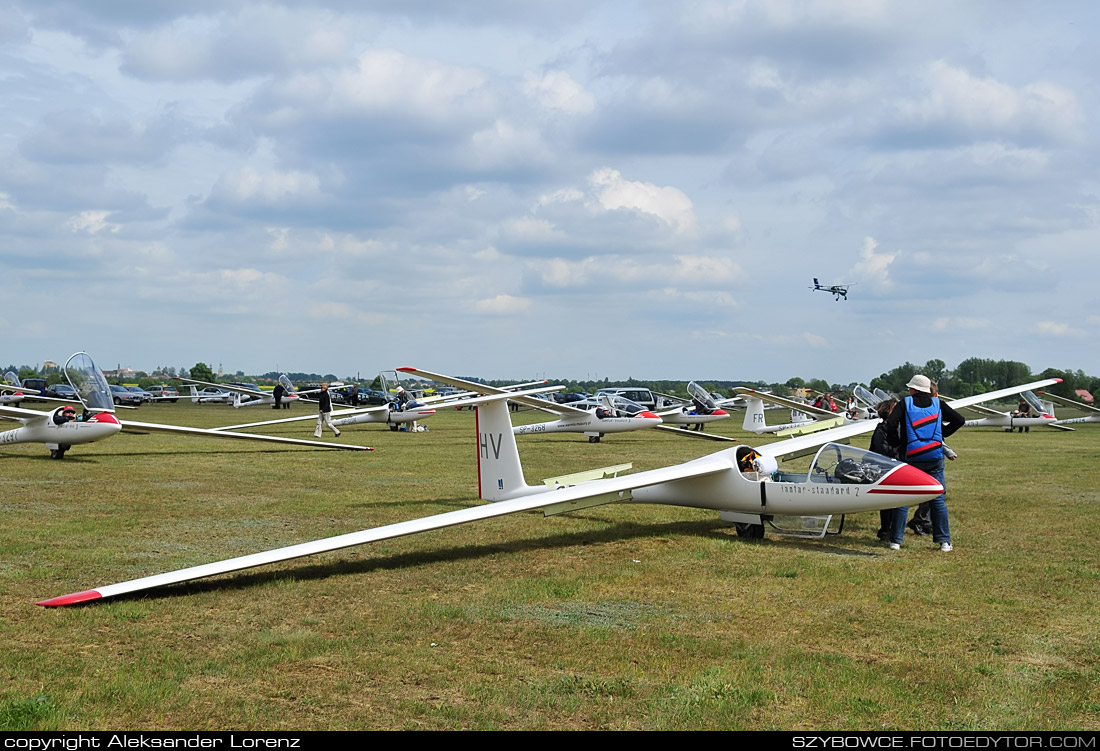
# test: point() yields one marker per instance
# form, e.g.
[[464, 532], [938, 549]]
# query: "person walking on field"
[[324, 412], [917, 428]]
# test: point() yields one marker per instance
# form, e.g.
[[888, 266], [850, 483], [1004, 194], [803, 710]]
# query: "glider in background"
[[59, 431]]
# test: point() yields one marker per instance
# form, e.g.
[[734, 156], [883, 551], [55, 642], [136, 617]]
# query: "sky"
[[565, 188]]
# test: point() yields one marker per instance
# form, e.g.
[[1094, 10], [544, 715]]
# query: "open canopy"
[[89, 382]]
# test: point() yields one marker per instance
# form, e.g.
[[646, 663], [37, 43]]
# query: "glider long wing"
[[613, 489]]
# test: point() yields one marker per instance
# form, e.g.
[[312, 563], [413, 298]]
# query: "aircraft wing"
[[529, 401], [132, 426], [981, 409], [335, 414], [810, 443], [695, 433], [21, 414], [1071, 403], [612, 490], [224, 387], [968, 401], [785, 402]]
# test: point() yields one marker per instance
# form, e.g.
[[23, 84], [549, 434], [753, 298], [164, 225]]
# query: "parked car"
[[163, 392], [145, 395], [62, 391], [123, 396]]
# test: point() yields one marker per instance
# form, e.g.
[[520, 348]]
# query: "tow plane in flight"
[[59, 432], [743, 483], [836, 290]]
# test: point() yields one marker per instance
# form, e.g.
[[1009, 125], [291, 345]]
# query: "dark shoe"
[[917, 528]]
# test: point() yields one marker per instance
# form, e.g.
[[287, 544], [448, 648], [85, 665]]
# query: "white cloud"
[[92, 222], [503, 305], [557, 90], [614, 271], [988, 106], [390, 80], [1052, 328], [960, 323], [247, 185], [814, 340], [668, 204], [873, 268]]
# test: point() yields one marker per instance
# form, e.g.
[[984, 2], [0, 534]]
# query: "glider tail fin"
[[499, 472], [194, 394], [754, 415]]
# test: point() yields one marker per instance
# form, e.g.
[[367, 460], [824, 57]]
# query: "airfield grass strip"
[[617, 617]]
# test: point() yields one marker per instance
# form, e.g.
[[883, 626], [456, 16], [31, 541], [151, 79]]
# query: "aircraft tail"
[[754, 415], [236, 400], [194, 394], [816, 282], [499, 472]]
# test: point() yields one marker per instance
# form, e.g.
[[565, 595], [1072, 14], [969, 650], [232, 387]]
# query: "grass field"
[[631, 617]]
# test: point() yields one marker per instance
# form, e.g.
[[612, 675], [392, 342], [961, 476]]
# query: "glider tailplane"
[[499, 473]]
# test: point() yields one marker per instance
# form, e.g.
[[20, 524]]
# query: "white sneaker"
[[894, 546], [945, 547]]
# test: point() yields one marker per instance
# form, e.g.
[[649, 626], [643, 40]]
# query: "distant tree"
[[795, 383], [202, 372], [818, 384]]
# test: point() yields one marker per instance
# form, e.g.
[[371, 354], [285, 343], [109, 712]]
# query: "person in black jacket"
[[917, 429], [324, 411], [880, 445], [278, 394]]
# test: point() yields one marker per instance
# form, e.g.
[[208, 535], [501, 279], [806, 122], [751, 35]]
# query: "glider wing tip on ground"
[[74, 599]]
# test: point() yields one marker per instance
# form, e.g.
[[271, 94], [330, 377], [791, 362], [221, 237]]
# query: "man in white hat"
[[917, 428]]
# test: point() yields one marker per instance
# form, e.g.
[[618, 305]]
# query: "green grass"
[[625, 617]]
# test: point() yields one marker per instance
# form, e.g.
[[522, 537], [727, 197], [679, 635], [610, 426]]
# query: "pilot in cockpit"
[[64, 414]]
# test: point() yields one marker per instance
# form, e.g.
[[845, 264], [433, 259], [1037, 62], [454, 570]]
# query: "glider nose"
[[720, 413], [647, 415], [909, 482]]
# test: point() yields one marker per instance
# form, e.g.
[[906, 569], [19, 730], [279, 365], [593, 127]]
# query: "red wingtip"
[[73, 599], [406, 369]]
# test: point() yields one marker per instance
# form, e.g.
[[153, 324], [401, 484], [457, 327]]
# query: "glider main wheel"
[[750, 531], [58, 453], [593, 439], [393, 428]]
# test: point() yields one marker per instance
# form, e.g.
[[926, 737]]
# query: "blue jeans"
[[941, 531]]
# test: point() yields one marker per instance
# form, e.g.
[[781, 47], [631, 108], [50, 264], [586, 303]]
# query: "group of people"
[[913, 430]]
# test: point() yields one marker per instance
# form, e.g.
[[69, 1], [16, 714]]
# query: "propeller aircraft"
[[59, 432], [837, 290], [743, 483]]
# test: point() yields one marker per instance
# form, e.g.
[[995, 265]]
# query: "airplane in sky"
[[1092, 413], [743, 483], [98, 420], [602, 414], [242, 394], [837, 290]]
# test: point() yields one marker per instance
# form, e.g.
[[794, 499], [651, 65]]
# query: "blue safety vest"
[[923, 431]]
